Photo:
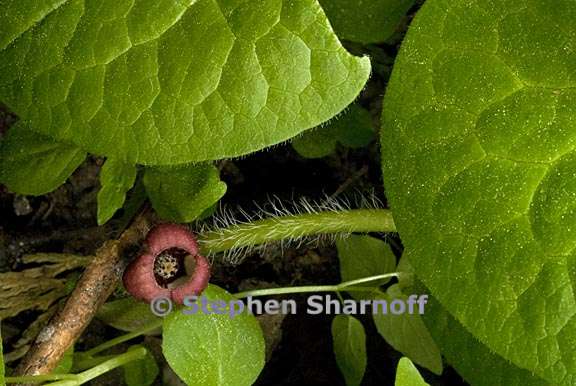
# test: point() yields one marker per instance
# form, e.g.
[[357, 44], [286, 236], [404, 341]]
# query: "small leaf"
[[183, 193], [353, 128], [407, 332], [142, 372], [407, 374], [363, 256], [65, 364], [349, 342], [316, 143], [126, 314], [214, 349], [366, 21], [34, 164], [116, 179]]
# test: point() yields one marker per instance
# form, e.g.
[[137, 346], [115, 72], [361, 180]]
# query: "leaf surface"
[[406, 332], [363, 256], [142, 372], [469, 357], [126, 314], [164, 82], [183, 193], [407, 374], [116, 179], [366, 21], [353, 128], [214, 350], [33, 164], [349, 343], [479, 164]]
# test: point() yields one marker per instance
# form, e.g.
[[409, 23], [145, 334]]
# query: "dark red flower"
[[170, 266]]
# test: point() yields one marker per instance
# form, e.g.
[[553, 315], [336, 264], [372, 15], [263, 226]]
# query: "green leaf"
[[349, 343], [317, 143], [363, 256], [214, 349], [183, 193], [34, 164], [353, 128], [471, 359], [479, 167], [407, 332], [407, 374], [405, 272], [126, 314], [165, 82], [65, 364], [142, 372], [366, 21], [2, 380], [116, 179]]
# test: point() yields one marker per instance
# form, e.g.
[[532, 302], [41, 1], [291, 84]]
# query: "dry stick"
[[97, 283]]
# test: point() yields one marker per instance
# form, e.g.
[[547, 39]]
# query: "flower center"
[[170, 266]]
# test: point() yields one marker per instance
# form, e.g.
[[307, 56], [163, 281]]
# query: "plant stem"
[[95, 285], [294, 227], [123, 338], [299, 290], [104, 367], [347, 286]]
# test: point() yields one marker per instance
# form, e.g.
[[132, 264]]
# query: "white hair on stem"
[[243, 232]]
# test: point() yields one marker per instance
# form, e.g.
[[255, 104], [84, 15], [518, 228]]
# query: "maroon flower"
[[170, 266]]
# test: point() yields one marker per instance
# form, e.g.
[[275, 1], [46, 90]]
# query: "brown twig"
[[96, 284]]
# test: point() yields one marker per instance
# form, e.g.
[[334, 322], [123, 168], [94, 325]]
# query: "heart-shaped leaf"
[[169, 82], [214, 349], [478, 365], [478, 158]]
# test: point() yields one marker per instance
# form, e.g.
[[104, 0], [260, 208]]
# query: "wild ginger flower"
[[170, 266]]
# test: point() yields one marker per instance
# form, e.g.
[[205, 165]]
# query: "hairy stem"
[[294, 227]]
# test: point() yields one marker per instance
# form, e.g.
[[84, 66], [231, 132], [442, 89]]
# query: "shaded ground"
[[64, 221]]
